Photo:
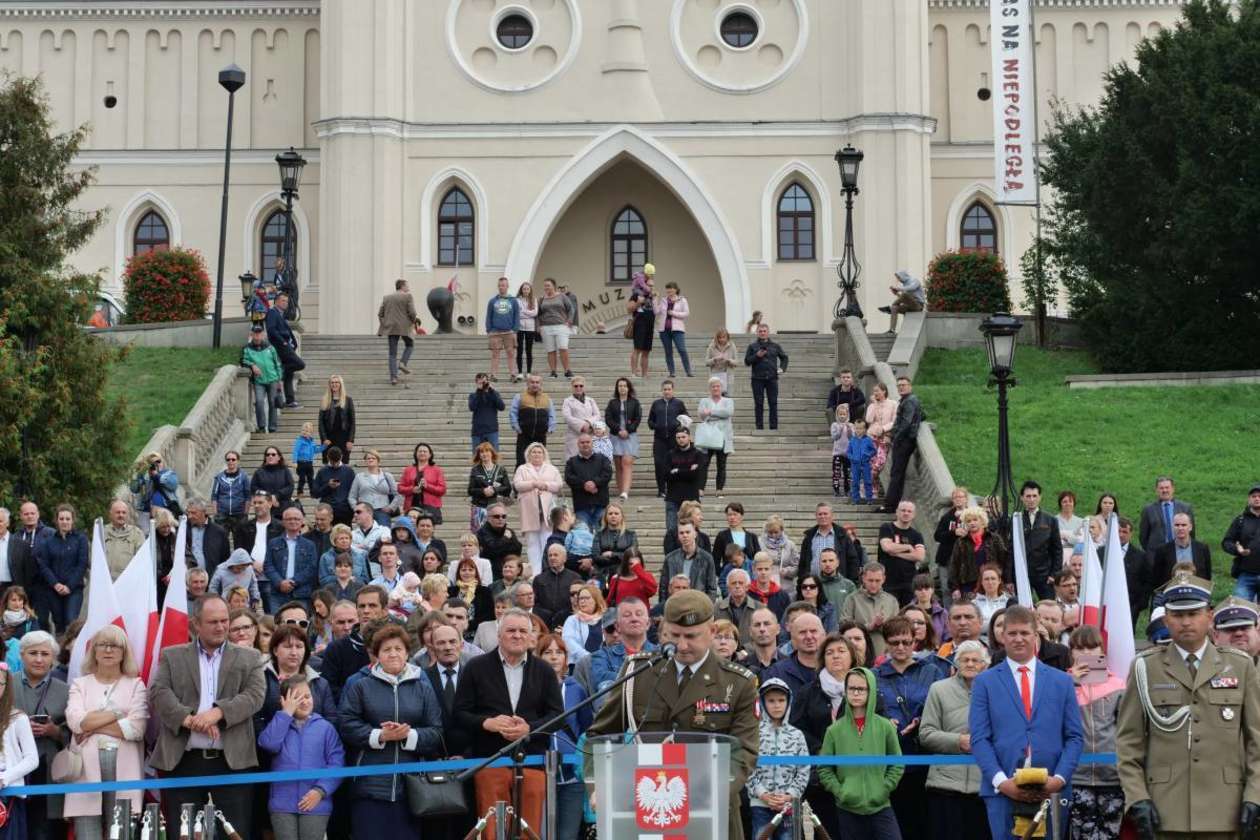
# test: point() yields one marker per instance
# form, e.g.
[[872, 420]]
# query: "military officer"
[[1234, 625], [1188, 738], [695, 691]]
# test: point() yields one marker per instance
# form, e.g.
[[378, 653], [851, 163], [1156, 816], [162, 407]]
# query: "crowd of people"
[[360, 637]]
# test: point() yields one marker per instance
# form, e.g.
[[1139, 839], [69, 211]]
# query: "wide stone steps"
[[786, 471]]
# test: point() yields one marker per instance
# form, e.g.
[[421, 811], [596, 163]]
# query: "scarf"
[[468, 589], [833, 688], [976, 538], [775, 544]]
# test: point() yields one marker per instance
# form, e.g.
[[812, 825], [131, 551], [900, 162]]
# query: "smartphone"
[[41, 719], [1097, 673]]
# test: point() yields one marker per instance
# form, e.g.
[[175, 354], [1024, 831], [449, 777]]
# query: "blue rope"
[[448, 766]]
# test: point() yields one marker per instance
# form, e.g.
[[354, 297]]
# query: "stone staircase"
[[882, 344], [787, 471]]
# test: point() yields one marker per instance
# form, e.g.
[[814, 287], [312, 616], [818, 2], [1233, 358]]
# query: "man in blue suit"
[[291, 564], [1023, 709]]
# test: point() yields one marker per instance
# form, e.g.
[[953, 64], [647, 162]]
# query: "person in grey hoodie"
[[908, 297], [771, 788]]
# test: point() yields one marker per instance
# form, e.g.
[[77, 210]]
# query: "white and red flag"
[[136, 592], [172, 629], [102, 603]]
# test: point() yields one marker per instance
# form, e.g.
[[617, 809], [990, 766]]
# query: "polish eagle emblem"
[[660, 798]]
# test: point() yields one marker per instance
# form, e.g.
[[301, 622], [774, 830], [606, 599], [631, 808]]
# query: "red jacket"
[[434, 487], [643, 586]]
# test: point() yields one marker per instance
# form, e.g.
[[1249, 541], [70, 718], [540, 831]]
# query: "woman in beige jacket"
[[537, 482]]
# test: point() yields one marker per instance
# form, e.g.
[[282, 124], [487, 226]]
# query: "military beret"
[[1187, 593], [688, 608], [1235, 612]]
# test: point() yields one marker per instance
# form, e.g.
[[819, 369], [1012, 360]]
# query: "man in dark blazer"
[[255, 534], [1182, 547], [291, 565], [831, 535], [1137, 568], [1042, 548], [211, 538], [501, 697], [16, 556], [1154, 529], [445, 646], [204, 697]]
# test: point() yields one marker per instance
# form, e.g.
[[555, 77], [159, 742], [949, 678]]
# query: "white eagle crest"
[[662, 801]]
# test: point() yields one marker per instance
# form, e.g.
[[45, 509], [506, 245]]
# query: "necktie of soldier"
[[1192, 662], [1025, 691], [684, 678]]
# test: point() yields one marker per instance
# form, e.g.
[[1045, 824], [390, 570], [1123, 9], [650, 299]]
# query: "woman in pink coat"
[[580, 413], [880, 414], [537, 482], [108, 703]]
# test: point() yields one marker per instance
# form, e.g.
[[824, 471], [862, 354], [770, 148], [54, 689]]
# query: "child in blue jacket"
[[305, 448], [861, 452], [301, 739]]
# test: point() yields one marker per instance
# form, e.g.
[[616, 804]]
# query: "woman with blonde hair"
[[612, 540], [434, 589], [537, 482], [582, 633], [974, 550], [376, 488], [783, 552], [336, 417], [487, 481], [107, 704], [881, 413], [154, 486], [721, 357]]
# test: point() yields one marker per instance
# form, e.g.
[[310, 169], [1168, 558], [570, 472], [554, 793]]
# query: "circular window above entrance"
[[739, 29], [514, 31], [513, 46], [739, 46]]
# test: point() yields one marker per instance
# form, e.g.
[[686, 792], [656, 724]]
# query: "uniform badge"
[[1224, 682], [1227, 713]]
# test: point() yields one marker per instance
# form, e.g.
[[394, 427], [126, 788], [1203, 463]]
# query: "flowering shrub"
[[967, 282], [169, 285]]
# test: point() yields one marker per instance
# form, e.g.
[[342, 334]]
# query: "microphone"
[[667, 650]]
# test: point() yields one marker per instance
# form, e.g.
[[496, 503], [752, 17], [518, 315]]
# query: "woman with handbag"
[[390, 716], [716, 432], [537, 482], [423, 484], [487, 482], [107, 704], [377, 489]]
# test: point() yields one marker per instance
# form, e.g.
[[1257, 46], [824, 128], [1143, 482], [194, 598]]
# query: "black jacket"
[[670, 542], [684, 470], [339, 496], [551, 594], [850, 559], [1244, 531], [479, 479], [21, 562], [909, 416], [663, 418], [214, 546], [1042, 548], [751, 545], [1137, 575], [497, 545], [612, 415], [483, 693], [769, 365], [456, 739], [243, 537], [579, 470], [609, 548], [337, 424], [370, 702], [342, 658], [853, 398], [945, 536], [276, 480], [1164, 558]]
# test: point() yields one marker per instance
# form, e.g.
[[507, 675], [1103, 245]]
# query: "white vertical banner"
[[1014, 101]]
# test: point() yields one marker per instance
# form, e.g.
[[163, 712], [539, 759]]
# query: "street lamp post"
[[291, 164], [848, 159], [1000, 332], [231, 79]]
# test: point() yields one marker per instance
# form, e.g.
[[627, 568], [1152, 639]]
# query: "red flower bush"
[[168, 285], [967, 282]]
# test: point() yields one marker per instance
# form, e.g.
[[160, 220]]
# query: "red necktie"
[[1025, 691]]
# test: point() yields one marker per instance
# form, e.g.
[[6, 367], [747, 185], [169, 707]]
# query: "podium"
[[667, 786]]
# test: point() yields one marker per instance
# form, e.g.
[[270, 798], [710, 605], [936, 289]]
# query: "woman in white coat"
[[19, 755], [580, 413], [537, 482], [716, 412]]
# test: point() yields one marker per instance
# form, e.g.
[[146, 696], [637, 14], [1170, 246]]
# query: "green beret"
[[688, 608]]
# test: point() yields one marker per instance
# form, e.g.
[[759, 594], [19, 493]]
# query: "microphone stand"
[[516, 749]]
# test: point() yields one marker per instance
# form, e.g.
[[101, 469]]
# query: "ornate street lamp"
[[848, 159], [1000, 333], [231, 79], [291, 164]]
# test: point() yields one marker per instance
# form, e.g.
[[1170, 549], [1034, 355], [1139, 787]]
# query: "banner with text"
[[1014, 101]]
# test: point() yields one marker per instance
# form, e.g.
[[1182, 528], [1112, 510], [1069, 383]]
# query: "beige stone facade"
[[553, 118]]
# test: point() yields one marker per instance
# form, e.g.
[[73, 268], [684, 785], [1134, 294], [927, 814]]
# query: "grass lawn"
[[1108, 440], [162, 384]]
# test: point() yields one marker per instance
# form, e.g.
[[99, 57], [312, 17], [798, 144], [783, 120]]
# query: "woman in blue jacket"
[[391, 716], [62, 559]]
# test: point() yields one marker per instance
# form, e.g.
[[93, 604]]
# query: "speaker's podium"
[[667, 786]]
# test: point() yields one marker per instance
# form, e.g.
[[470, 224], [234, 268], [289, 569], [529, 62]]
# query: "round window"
[[515, 31], [739, 29]]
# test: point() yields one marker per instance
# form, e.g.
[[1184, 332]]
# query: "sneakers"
[[554, 374], [293, 405], [404, 368], [624, 497], [887, 310], [516, 377], [393, 380], [568, 374]]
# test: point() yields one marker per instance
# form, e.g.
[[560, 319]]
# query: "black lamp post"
[[1000, 332], [291, 164], [848, 159], [231, 79], [247, 281]]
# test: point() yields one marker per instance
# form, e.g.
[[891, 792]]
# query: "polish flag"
[[173, 628], [136, 591], [1091, 586], [102, 606], [1117, 624]]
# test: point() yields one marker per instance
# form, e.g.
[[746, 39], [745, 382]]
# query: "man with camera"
[[485, 404]]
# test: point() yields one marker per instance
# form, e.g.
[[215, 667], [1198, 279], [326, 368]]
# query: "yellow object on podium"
[[1035, 825]]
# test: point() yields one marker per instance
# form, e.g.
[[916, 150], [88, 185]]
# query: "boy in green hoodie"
[[862, 792]]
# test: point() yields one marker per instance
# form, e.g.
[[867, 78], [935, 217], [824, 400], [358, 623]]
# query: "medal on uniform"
[[1227, 713], [698, 720]]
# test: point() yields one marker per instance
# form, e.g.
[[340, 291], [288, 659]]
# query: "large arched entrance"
[[626, 159], [623, 218]]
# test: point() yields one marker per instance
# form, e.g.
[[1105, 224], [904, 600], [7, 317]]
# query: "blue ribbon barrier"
[[464, 764]]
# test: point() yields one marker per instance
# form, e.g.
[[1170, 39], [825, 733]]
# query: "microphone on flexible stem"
[[667, 650]]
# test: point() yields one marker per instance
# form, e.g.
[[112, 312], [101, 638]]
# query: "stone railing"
[[928, 479], [907, 350], [221, 420]]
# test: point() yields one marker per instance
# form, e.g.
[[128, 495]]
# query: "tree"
[[60, 437], [1155, 211]]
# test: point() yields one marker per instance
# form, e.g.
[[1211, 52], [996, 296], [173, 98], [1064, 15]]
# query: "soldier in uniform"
[[1188, 737], [1234, 625], [696, 691]]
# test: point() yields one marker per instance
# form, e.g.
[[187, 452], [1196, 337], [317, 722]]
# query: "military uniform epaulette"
[[1234, 651], [1150, 651], [736, 668]]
